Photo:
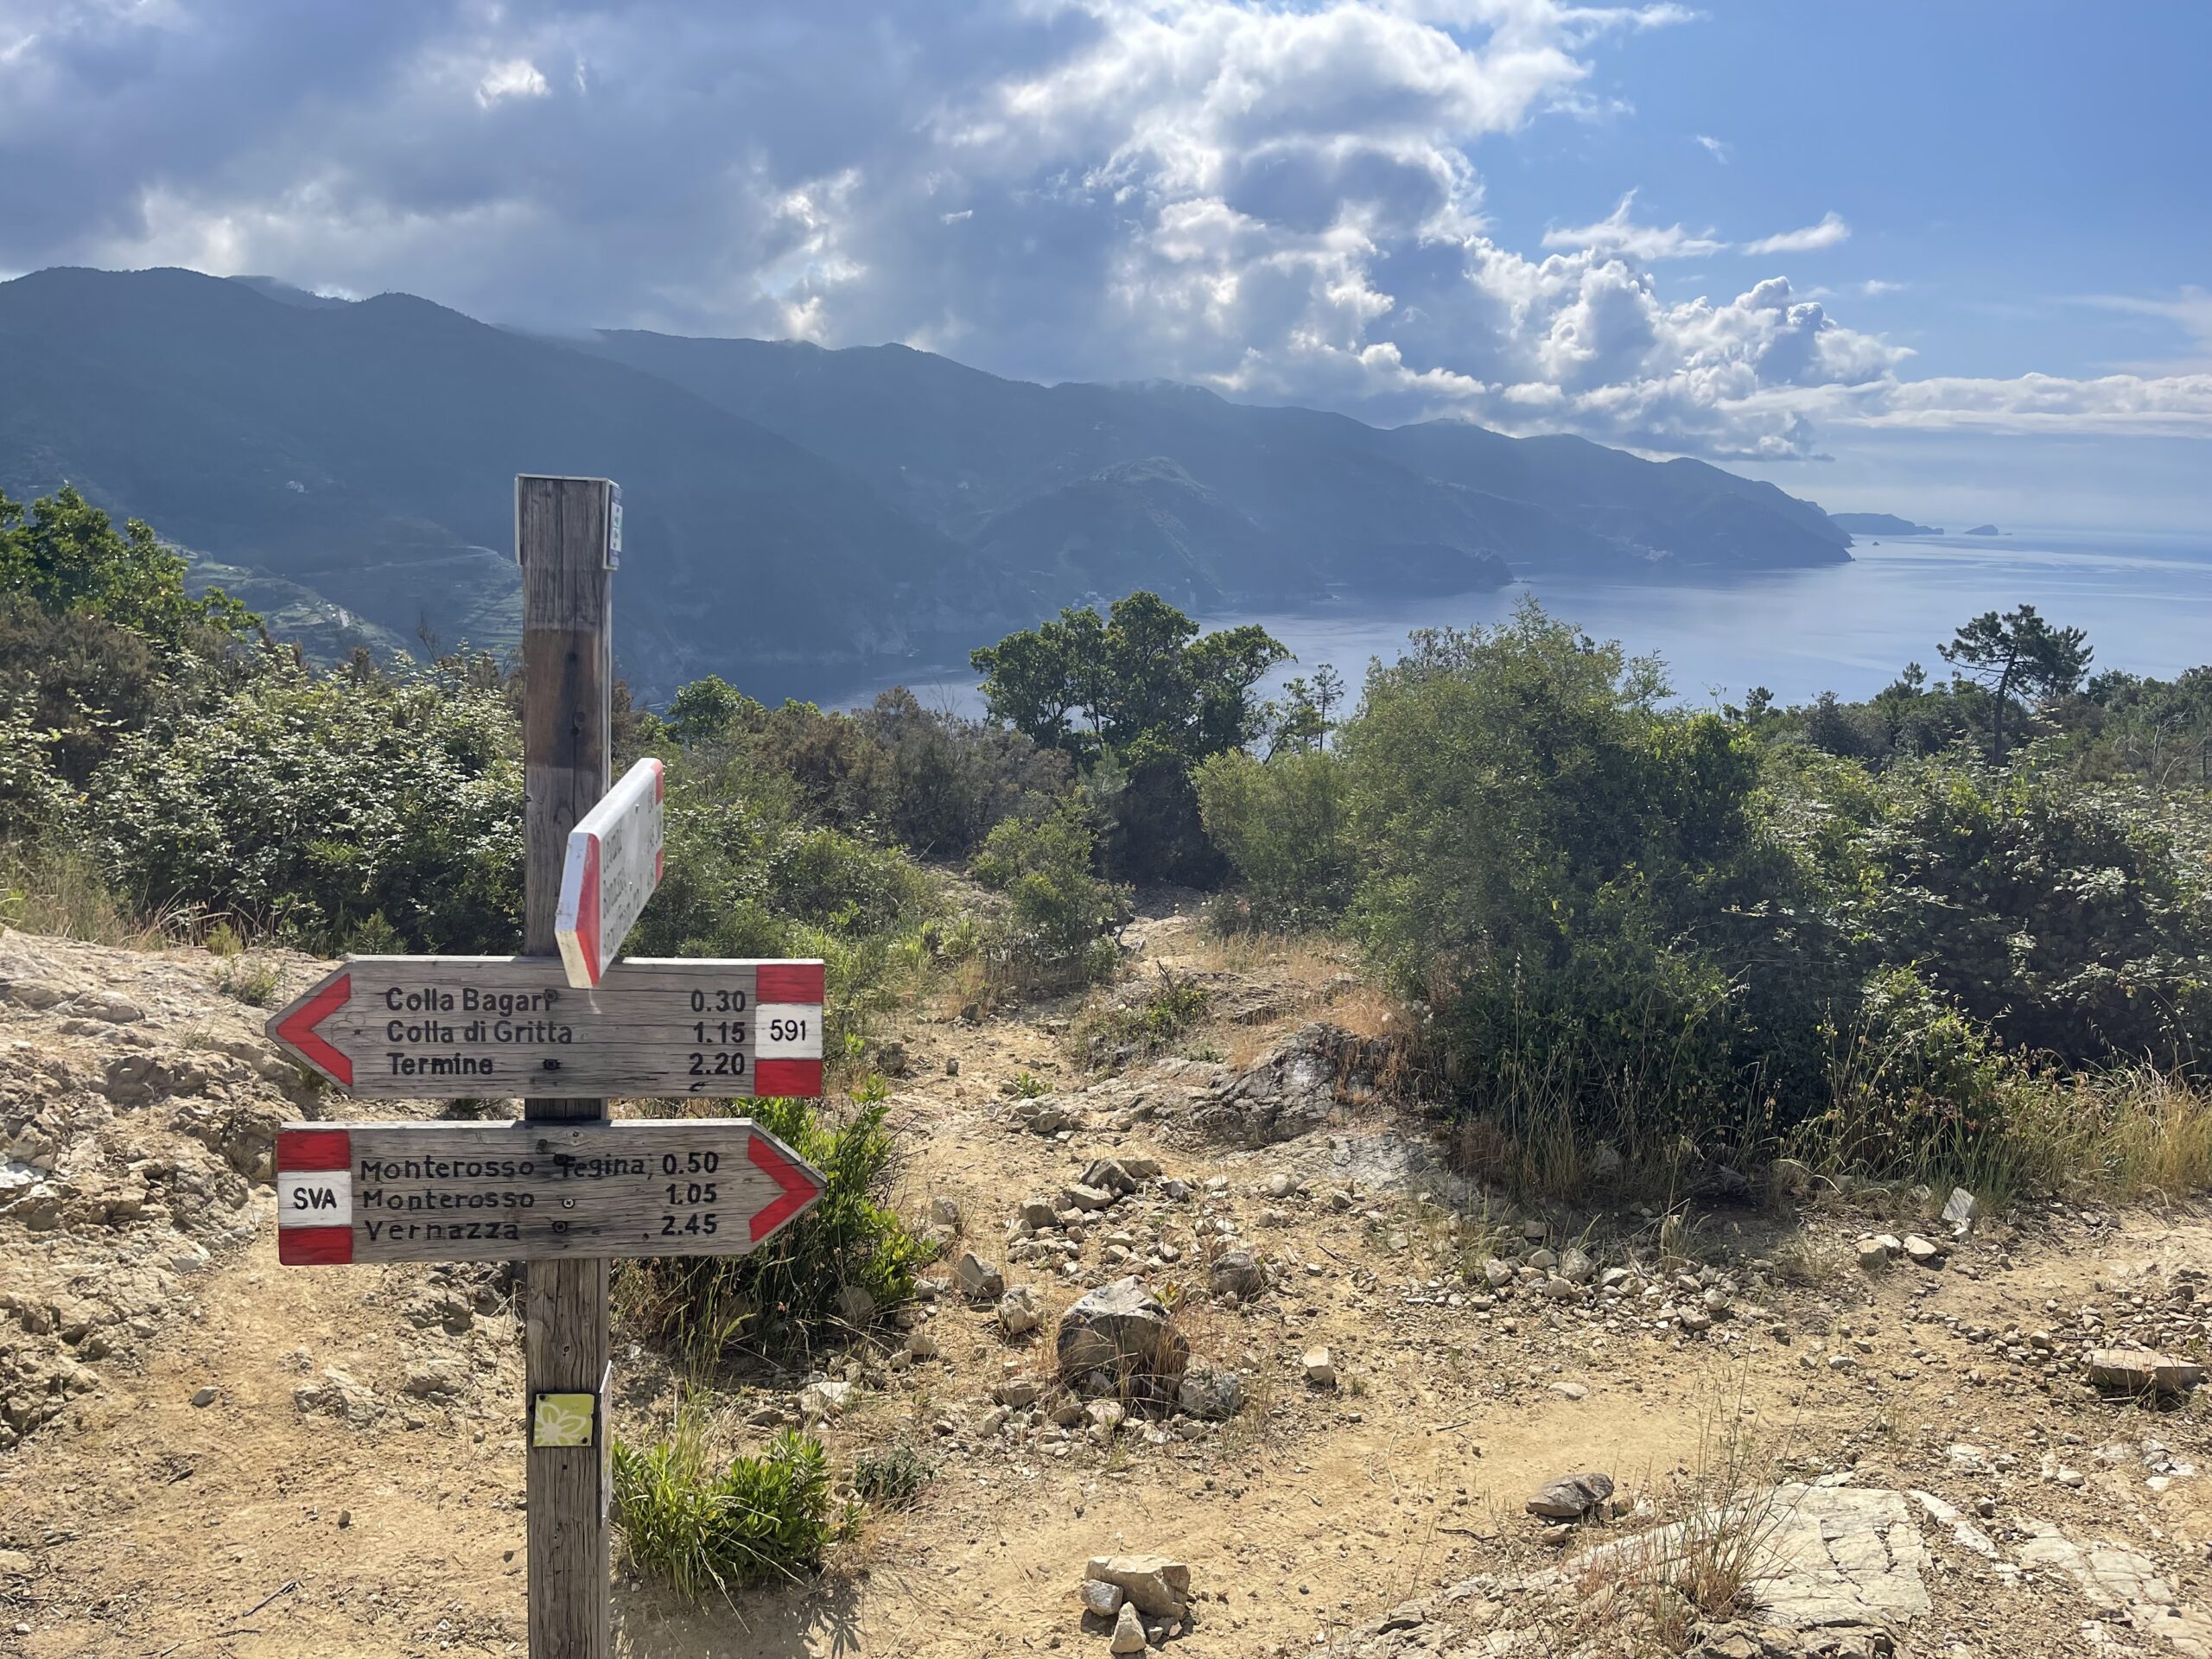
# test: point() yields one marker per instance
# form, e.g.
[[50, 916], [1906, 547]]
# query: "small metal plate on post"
[[563, 1419], [613, 526]]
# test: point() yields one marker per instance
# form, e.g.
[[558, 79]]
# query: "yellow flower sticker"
[[562, 1420]]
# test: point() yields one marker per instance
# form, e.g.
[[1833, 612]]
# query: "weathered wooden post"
[[563, 1026], [568, 538]]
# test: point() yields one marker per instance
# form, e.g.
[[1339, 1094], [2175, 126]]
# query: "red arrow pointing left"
[[800, 1188], [296, 1028]]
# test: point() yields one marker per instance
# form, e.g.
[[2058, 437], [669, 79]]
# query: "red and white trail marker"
[[437, 1027], [615, 855], [533, 1191]]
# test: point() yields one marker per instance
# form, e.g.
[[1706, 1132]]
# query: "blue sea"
[[2145, 602]]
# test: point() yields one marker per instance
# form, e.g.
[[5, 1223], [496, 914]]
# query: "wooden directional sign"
[[440, 1027], [613, 865], [526, 1192]]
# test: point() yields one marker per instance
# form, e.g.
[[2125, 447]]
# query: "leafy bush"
[[34, 800], [253, 983], [1912, 1079], [1284, 823], [1635, 922], [950, 781], [1128, 1030], [933, 782], [2072, 919], [782, 1294], [1059, 907], [758, 1521], [1571, 875], [329, 810], [98, 636]]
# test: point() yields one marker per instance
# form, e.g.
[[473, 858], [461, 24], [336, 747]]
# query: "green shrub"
[[1574, 877], [780, 1297], [1284, 823], [98, 637], [35, 801], [757, 1520], [1044, 864], [1912, 1081], [893, 1476], [1130, 1030], [951, 781], [317, 805], [2072, 919], [930, 781], [1156, 697], [253, 983]]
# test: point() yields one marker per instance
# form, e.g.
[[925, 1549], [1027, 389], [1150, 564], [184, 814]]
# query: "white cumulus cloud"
[[515, 78], [1279, 201], [1618, 234], [1811, 238]]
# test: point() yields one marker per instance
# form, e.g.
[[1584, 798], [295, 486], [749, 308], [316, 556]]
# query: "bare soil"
[[133, 1522]]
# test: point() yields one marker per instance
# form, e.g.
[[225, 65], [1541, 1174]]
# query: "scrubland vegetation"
[[1962, 929], [1963, 923]]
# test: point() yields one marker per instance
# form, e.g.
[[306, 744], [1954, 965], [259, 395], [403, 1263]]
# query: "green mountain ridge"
[[366, 452], [949, 443], [1881, 524], [793, 514]]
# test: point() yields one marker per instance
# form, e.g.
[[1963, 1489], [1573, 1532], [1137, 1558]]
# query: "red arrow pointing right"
[[799, 1187], [296, 1028]]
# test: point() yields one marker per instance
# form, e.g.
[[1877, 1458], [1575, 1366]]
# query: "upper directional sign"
[[614, 864], [438, 1027], [524, 1192]]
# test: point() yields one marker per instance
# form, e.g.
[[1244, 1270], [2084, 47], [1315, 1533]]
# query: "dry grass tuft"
[[1718, 1517], [58, 893], [1366, 1010], [2129, 1132], [1302, 958]]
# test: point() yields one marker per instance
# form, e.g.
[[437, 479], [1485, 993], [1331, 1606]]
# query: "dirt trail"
[[384, 1518]]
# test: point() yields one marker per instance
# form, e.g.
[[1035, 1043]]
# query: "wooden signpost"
[[420, 1028], [529, 1191], [564, 1026], [613, 865]]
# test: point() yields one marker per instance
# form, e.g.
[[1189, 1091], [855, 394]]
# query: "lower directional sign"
[[526, 1192], [440, 1027]]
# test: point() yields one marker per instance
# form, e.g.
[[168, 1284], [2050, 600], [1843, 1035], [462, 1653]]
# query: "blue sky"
[[1947, 259]]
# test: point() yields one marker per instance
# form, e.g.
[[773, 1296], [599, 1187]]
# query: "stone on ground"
[[1237, 1275], [1119, 1331], [2142, 1371], [1572, 1497], [979, 1281], [1961, 1208], [1923, 1252], [1828, 1556], [1017, 1312], [1157, 1586], [1129, 1631], [1101, 1599], [1211, 1393]]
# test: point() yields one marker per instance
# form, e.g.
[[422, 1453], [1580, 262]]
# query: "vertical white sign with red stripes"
[[616, 854], [314, 1197], [787, 1029]]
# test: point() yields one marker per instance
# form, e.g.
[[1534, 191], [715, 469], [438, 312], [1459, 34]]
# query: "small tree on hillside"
[[2018, 654], [1137, 697]]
